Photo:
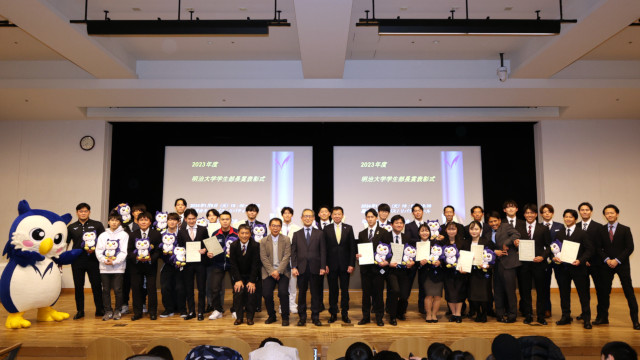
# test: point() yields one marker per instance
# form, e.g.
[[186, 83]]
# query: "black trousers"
[[198, 271], [422, 277], [140, 272], [624, 273], [78, 269], [398, 288], [599, 281], [172, 290], [530, 272], [580, 278], [111, 282], [313, 282], [243, 301], [126, 285], [367, 280], [338, 283], [504, 288], [215, 277], [268, 286]]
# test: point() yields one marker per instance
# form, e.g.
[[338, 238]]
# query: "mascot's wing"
[[22, 258], [67, 257]]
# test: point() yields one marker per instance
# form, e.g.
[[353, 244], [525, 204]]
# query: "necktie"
[[251, 225], [397, 240], [144, 234], [529, 232], [192, 233], [244, 249], [584, 226], [611, 233], [548, 225], [493, 236], [338, 233], [568, 232], [307, 235], [511, 222], [370, 233], [324, 224]]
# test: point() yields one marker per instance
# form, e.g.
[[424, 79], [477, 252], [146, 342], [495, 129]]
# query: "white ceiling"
[[46, 52]]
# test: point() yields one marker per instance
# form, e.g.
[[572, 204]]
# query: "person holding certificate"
[[455, 282], [430, 277], [219, 264], [574, 268], [480, 279], [193, 233], [398, 287], [370, 278], [534, 249]]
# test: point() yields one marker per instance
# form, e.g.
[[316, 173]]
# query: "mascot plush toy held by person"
[[31, 279]]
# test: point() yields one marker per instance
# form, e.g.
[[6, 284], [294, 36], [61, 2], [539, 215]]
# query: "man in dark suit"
[[546, 212], [341, 260], [372, 282], [309, 262], [576, 271], [477, 213], [594, 264], [449, 213], [181, 205], [398, 285], [616, 245], [252, 211], [194, 233], [324, 215], [510, 208], [144, 266], [244, 256], [504, 282], [411, 229], [536, 269], [275, 255], [383, 215]]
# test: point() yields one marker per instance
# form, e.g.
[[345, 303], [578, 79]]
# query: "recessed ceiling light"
[[404, 8], [508, 8], [243, 9], [136, 9], [209, 42], [436, 42]]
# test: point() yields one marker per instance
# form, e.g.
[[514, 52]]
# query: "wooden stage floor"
[[68, 339]]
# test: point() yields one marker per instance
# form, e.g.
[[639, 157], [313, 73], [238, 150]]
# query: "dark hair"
[[175, 203], [275, 219], [214, 211], [572, 212], [449, 206], [475, 223], [371, 210], [548, 207], [397, 217], [324, 207], [161, 351], [494, 214], [530, 207], [508, 203], [285, 209], [387, 355], [190, 211], [584, 203], [611, 206], [115, 215], [252, 207], [416, 205], [358, 351], [476, 207], [270, 339], [141, 207], [424, 225], [83, 206], [438, 351], [225, 213], [619, 350], [244, 226], [384, 207], [145, 214], [506, 347], [460, 355], [337, 208], [173, 216]]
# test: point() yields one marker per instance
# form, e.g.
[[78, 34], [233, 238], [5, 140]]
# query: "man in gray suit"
[[308, 261], [504, 282], [275, 253]]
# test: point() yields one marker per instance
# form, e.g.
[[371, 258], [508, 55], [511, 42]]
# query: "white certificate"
[[477, 254], [366, 250], [465, 261], [569, 252], [423, 249], [398, 251], [213, 246], [527, 250], [193, 251]]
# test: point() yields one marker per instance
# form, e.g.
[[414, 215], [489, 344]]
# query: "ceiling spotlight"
[[502, 70]]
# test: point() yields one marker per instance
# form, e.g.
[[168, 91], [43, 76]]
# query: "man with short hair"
[[477, 214], [288, 229], [398, 285], [244, 257], [86, 263], [594, 264], [194, 233], [252, 211], [449, 213], [546, 212], [411, 229], [172, 290], [324, 213], [181, 206], [618, 350], [219, 264], [510, 208], [144, 266], [383, 214], [275, 253]]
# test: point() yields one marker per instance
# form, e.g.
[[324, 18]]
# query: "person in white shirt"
[[288, 228], [272, 349], [111, 252]]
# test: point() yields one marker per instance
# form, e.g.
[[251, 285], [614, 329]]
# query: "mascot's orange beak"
[[45, 246]]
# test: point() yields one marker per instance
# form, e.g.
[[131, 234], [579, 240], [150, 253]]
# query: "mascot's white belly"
[[31, 288]]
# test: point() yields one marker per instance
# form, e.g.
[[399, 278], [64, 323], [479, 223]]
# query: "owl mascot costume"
[[31, 279]]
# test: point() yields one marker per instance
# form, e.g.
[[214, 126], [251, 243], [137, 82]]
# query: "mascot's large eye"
[[57, 239], [37, 234]]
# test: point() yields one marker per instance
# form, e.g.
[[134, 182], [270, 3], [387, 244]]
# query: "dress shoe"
[[259, 309], [579, 317], [510, 320], [200, 316], [491, 313], [136, 317], [636, 325], [99, 313], [458, 319], [209, 309], [478, 318], [542, 321], [238, 322], [601, 321], [270, 320], [587, 324], [316, 322], [380, 322], [153, 316], [285, 321], [565, 320], [79, 315], [190, 316], [183, 314], [345, 319], [393, 322], [402, 317], [302, 322], [422, 311], [547, 314], [528, 320], [333, 318], [364, 321], [452, 318], [249, 321]]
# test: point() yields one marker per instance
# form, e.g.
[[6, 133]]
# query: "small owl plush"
[[161, 221], [202, 221], [111, 249], [383, 253], [451, 255], [488, 259], [179, 257], [258, 232], [409, 254], [434, 227], [227, 244], [89, 241], [143, 247], [125, 211], [435, 255], [388, 227], [168, 243], [556, 248]]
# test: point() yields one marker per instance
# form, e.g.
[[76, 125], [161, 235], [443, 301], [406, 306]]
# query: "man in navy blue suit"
[[546, 212]]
